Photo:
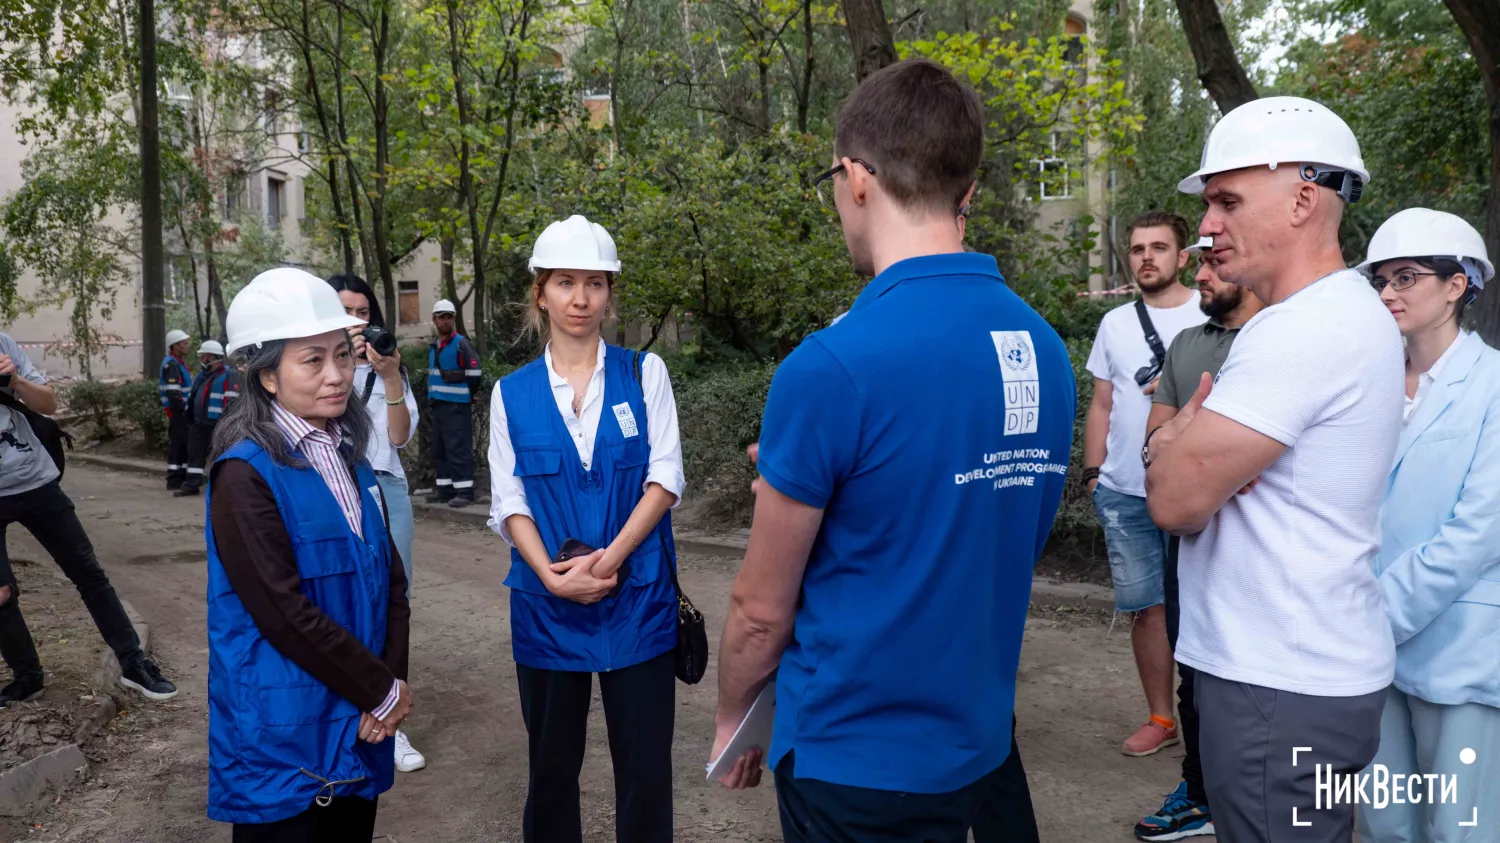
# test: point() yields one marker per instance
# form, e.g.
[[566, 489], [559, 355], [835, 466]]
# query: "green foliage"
[[139, 403], [95, 402], [720, 412]]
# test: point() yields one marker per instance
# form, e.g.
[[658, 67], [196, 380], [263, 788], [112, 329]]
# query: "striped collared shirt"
[[322, 450]]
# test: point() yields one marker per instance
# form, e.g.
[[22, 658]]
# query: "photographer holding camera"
[[1126, 360], [382, 385]]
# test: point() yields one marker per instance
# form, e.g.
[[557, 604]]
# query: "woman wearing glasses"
[[585, 465], [1439, 562]]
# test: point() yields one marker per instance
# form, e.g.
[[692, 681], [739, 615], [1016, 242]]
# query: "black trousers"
[[453, 447], [200, 437], [1005, 811], [177, 449], [814, 811], [1187, 708], [48, 514], [347, 819], [640, 704]]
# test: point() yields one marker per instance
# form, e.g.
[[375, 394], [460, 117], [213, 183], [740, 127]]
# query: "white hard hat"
[[284, 304], [174, 337], [443, 306], [1282, 130], [211, 347], [1423, 233], [1204, 244], [575, 243]]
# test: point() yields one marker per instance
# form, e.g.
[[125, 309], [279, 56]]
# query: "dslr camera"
[[378, 338]]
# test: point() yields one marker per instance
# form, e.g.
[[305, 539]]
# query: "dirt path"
[[1078, 698]]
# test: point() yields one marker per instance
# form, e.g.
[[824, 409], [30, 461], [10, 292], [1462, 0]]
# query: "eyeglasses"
[[823, 184], [1402, 281]]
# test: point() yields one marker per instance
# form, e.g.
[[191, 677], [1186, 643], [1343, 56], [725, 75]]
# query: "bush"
[[94, 402], [140, 403], [719, 414]]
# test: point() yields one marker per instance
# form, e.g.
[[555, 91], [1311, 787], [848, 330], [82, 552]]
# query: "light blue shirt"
[[1439, 561], [24, 461]]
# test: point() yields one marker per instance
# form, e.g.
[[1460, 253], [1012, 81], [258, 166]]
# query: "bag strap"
[[32, 416], [1158, 352]]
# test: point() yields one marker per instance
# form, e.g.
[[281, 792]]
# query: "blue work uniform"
[[278, 739]]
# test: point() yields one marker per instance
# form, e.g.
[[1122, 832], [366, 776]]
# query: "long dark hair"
[[355, 284], [251, 416]]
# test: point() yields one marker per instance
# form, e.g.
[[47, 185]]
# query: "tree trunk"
[[450, 284], [380, 43], [216, 293], [869, 36], [153, 309], [341, 124], [342, 220], [467, 193], [804, 97], [1480, 21], [1219, 69]]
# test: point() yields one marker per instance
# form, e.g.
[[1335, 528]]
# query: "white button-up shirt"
[[508, 495], [382, 452], [1429, 377]]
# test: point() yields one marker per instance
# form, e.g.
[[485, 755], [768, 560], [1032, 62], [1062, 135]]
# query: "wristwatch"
[[1146, 446]]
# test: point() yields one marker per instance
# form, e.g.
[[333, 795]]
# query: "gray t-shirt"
[[24, 462], [1193, 352]]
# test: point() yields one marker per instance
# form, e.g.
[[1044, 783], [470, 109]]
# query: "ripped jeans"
[[1137, 549]]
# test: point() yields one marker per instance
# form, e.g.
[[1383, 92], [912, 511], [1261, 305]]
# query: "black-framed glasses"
[[823, 183], [1403, 280]]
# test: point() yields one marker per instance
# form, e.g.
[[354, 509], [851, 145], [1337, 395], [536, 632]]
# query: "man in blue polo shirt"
[[913, 458]]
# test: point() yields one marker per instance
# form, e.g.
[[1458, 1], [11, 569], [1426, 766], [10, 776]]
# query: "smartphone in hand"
[[575, 549]]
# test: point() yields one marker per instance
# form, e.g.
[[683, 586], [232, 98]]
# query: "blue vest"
[[175, 379], [438, 389], [277, 738], [569, 502], [212, 391]]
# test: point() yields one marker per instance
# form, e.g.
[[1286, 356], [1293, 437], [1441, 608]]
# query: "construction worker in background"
[[215, 387], [173, 384], [453, 375]]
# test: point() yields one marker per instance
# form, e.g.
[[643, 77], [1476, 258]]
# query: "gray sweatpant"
[[1246, 736]]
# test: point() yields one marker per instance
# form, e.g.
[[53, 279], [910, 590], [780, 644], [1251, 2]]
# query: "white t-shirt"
[[1279, 589], [382, 453], [1120, 350]]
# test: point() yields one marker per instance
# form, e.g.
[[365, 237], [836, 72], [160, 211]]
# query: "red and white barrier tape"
[[61, 344], [1118, 291]]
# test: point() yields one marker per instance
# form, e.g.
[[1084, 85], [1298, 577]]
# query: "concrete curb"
[[24, 784], [1044, 593]]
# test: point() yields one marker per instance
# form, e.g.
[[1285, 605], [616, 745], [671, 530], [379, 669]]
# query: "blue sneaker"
[[1178, 818]]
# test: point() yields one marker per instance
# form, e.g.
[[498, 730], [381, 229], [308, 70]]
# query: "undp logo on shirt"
[[1023, 388]]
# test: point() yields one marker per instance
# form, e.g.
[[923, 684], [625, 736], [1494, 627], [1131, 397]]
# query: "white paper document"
[[754, 731]]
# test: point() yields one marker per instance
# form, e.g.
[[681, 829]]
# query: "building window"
[[1051, 173], [272, 112], [234, 194], [275, 201], [409, 303], [1073, 32]]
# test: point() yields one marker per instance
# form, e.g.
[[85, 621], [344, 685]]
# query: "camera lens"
[[383, 341], [4, 381]]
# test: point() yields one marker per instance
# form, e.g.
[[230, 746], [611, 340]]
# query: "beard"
[[1222, 304], [1162, 281]]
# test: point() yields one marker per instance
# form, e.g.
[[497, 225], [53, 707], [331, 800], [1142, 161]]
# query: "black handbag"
[[692, 635]]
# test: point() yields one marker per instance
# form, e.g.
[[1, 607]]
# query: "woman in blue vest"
[[1439, 561], [586, 462], [307, 613]]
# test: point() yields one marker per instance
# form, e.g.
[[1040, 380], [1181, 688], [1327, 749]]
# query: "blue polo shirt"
[[932, 425]]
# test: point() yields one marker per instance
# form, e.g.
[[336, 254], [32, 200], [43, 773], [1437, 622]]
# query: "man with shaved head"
[[1273, 474]]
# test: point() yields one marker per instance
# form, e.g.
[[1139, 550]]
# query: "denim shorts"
[[1137, 549]]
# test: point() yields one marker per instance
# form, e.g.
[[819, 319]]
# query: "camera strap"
[[370, 385], [1158, 353]]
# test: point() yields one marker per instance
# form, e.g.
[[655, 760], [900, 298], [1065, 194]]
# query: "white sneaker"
[[408, 760]]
